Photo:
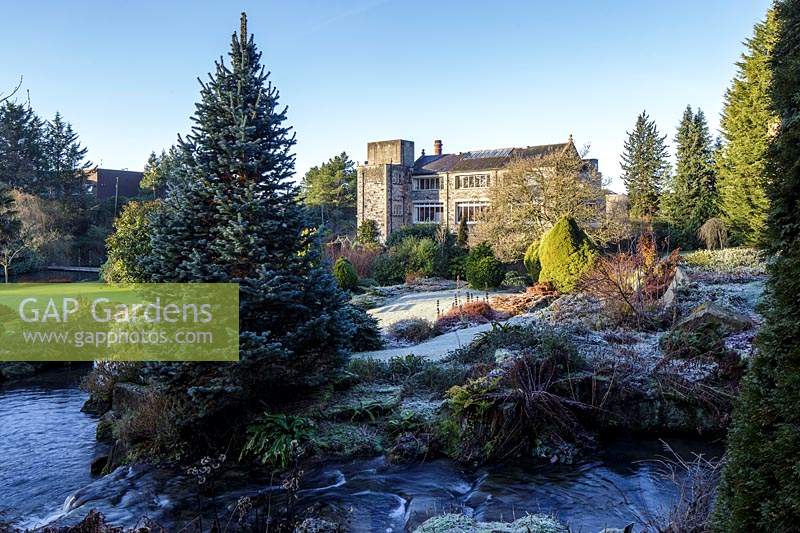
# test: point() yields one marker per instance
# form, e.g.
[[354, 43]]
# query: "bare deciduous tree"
[[533, 194]]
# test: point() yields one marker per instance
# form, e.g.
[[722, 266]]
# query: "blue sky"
[[475, 74]]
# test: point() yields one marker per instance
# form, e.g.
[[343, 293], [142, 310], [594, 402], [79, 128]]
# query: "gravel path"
[[434, 349], [421, 304]]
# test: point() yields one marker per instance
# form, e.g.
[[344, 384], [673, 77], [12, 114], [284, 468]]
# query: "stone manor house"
[[395, 189]]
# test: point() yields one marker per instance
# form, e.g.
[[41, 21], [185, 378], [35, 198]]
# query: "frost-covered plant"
[[414, 330], [728, 260]]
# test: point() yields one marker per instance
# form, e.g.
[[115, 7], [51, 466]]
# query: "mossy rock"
[[344, 439], [565, 254], [364, 402]]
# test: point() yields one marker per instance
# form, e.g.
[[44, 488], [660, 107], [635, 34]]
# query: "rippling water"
[[46, 445]]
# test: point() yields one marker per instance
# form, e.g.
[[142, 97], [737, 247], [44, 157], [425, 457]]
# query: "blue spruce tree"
[[234, 216]]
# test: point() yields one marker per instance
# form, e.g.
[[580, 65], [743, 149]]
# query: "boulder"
[[679, 280], [712, 315], [98, 465], [105, 428], [16, 370]]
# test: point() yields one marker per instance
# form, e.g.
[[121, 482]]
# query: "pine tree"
[[330, 189], [645, 168], [63, 160], [691, 198], [760, 488], [20, 147], [747, 125], [235, 217]]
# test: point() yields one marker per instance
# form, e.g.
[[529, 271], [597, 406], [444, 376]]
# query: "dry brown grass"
[[517, 304]]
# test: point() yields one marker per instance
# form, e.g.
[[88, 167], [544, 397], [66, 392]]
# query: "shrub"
[[416, 232], [270, 439], [361, 257], [413, 330], [565, 254], [418, 255], [388, 269], [713, 233], [345, 274], [531, 261], [367, 335], [728, 259], [629, 288], [99, 383], [483, 269], [152, 427], [476, 312], [368, 234]]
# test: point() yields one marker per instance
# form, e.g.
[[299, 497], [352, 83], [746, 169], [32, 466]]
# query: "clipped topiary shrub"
[[345, 274], [531, 260], [565, 254], [483, 269]]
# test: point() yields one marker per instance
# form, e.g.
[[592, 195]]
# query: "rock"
[[317, 525], [679, 280], [96, 405], [711, 314], [98, 465], [409, 447], [105, 428], [16, 370], [127, 397], [459, 523]]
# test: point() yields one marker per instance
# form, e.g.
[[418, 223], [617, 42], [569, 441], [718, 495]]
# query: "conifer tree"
[[20, 147], [235, 217], [330, 190], [691, 198], [747, 124], [63, 159], [760, 488], [160, 171], [9, 222], [645, 168]]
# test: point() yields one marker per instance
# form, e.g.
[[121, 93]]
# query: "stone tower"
[[384, 185]]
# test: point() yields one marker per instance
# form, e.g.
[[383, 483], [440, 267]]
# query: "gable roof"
[[477, 160]]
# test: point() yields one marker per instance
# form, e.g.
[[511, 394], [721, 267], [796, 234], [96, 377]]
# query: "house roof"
[[477, 160]]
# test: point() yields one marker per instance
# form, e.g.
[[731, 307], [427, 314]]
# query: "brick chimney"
[[437, 147]]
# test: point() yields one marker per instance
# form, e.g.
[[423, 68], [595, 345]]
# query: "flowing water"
[[46, 445]]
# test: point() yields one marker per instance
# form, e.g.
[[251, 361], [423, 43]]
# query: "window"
[[427, 184], [472, 181], [427, 213], [471, 210]]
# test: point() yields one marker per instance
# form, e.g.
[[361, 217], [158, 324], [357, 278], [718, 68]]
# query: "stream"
[[46, 445]]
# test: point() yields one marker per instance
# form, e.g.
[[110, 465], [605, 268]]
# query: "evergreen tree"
[[63, 160], [760, 488], [330, 190], [160, 171], [9, 222], [235, 217], [20, 147], [645, 168], [692, 195], [747, 125]]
